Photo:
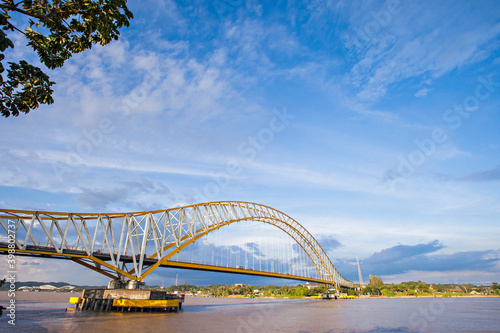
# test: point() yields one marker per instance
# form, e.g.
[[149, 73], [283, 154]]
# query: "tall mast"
[[361, 285]]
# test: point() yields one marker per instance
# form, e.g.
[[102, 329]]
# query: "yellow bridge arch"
[[147, 240]]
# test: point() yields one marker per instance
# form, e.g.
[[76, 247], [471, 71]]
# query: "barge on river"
[[127, 300]]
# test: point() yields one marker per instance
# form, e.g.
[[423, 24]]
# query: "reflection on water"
[[266, 315]]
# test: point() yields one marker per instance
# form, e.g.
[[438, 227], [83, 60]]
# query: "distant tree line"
[[218, 290], [375, 287], [412, 288]]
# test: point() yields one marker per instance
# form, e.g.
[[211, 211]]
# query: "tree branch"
[[15, 28], [52, 13], [14, 8]]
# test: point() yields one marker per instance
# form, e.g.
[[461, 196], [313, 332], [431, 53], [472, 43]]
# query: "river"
[[469, 314]]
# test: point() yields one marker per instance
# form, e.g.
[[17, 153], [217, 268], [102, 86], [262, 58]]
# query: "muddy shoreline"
[[63, 297], [38, 297]]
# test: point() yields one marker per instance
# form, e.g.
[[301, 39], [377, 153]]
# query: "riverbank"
[[63, 297], [431, 296], [217, 314], [38, 297]]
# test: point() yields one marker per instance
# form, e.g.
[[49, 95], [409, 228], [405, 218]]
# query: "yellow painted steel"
[[75, 300], [166, 262], [146, 303], [94, 268], [120, 271], [175, 251], [177, 264], [53, 254], [225, 210], [71, 255]]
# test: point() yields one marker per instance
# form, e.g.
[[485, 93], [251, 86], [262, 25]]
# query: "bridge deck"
[[139, 239], [49, 252]]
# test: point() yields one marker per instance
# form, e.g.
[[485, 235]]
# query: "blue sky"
[[373, 124]]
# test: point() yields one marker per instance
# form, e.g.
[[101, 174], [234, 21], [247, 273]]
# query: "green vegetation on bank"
[[218, 290], [419, 288], [376, 287]]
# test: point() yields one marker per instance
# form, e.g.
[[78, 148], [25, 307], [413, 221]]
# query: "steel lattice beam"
[[146, 240]]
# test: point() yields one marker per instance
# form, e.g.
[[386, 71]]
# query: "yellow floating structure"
[[75, 300], [336, 296], [145, 303], [133, 300]]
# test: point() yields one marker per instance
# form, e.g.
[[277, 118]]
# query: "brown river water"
[[45, 312]]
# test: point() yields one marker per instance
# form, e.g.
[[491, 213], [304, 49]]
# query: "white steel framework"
[[146, 240]]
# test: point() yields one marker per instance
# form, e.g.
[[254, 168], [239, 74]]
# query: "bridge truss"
[[129, 246]]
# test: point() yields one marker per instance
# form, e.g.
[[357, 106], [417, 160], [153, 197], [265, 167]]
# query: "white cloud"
[[422, 92], [453, 277], [397, 54]]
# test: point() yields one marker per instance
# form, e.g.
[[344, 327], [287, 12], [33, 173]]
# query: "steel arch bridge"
[[107, 243]]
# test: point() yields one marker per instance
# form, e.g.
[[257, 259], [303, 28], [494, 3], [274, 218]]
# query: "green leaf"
[[90, 22]]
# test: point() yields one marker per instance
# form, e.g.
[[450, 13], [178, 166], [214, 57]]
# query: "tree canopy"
[[56, 30], [375, 281]]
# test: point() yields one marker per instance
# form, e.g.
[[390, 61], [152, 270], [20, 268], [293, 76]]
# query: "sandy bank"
[[39, 297]]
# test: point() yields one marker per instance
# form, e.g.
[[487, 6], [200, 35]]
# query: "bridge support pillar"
[[116, 284], [129, 284], [133, 284]]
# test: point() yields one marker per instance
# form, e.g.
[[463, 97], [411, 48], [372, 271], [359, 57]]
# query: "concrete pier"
[[127, 300]]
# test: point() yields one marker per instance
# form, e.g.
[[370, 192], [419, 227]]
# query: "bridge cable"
[[288, 260], [260, 254], [281, 256], [274, 256], [253, 256]]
